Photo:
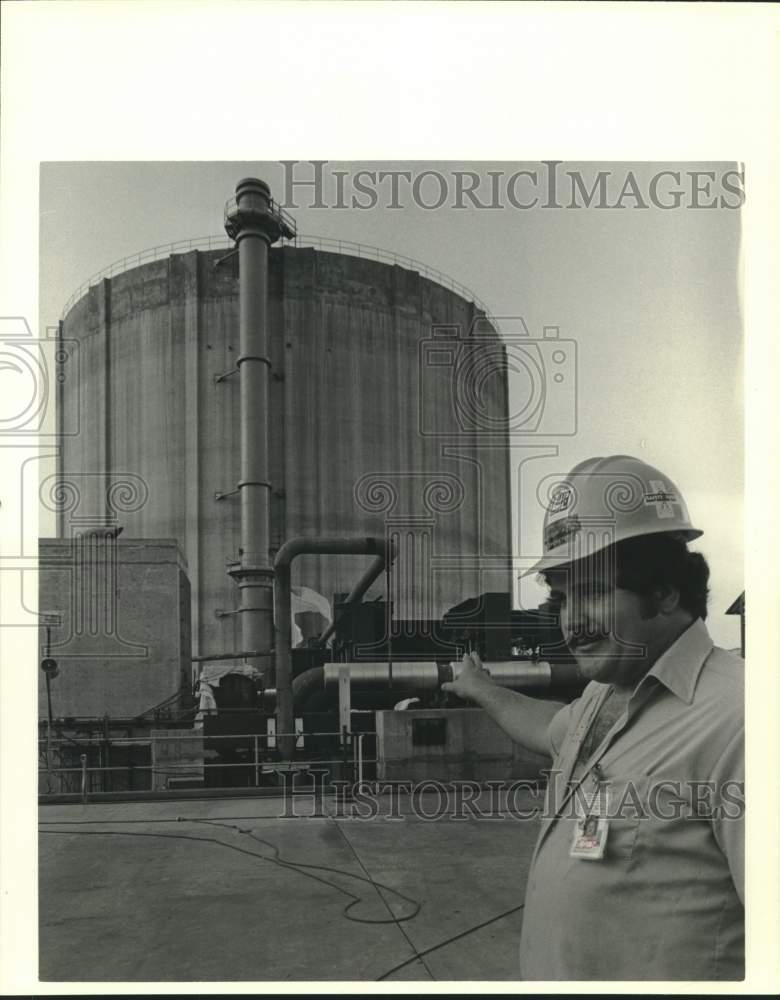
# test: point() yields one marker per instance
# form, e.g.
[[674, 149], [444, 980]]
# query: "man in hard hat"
[[638, 870]]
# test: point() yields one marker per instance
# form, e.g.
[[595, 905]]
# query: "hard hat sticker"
[[558, 534], [661, 498], [562, 497]]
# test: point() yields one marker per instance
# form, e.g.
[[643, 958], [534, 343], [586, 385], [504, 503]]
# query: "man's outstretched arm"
[[523, 719]]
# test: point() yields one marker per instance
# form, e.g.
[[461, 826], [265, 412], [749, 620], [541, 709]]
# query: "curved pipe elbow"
[[332, 546]]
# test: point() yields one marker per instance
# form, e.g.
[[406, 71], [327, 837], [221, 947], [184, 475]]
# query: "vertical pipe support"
[[345, 704]]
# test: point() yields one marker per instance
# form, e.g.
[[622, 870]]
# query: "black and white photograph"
[[285, 581], [375, 530]]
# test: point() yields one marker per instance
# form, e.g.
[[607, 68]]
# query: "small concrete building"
[[119, 614]]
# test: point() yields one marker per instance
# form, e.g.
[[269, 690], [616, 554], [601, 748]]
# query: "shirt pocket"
[[628, 811]]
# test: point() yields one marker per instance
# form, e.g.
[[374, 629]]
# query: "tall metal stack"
[[255, 223]]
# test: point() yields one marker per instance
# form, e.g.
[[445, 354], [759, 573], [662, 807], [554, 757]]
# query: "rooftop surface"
[[266, 890]]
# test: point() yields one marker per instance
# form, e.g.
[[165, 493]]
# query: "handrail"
[[369, 252], [147, 256], [275, 209], [189, 735], [181, 771], [324, 243], [265, 758]]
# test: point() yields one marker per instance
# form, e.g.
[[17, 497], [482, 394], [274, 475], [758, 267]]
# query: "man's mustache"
[[584, 636]]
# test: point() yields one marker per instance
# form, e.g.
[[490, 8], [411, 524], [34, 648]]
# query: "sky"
[[650, 296]]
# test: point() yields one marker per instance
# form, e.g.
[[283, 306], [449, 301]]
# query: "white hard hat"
[[606, 500]]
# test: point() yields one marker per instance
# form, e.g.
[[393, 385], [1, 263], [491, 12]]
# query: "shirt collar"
[[679, 667]]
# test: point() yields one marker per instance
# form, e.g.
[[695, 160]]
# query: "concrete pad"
[[116, 906]]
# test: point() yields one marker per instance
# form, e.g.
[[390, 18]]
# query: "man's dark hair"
[[650, 561], [647, 562]]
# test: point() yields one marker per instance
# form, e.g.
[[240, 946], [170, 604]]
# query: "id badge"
[[591, 827]]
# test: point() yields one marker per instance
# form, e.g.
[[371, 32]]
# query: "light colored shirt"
[[666, 901]]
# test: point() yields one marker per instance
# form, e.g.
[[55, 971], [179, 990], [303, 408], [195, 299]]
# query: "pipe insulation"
[[409, 676], [421, 676], [428, 676]]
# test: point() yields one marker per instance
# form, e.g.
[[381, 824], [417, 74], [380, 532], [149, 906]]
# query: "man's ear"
[[667, 599]]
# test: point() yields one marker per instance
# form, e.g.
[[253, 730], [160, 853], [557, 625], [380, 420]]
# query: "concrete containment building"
[[387, 403]]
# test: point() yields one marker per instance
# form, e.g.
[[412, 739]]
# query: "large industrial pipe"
[[406, 676], [255, 223], [283, 614], [518, 675]]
